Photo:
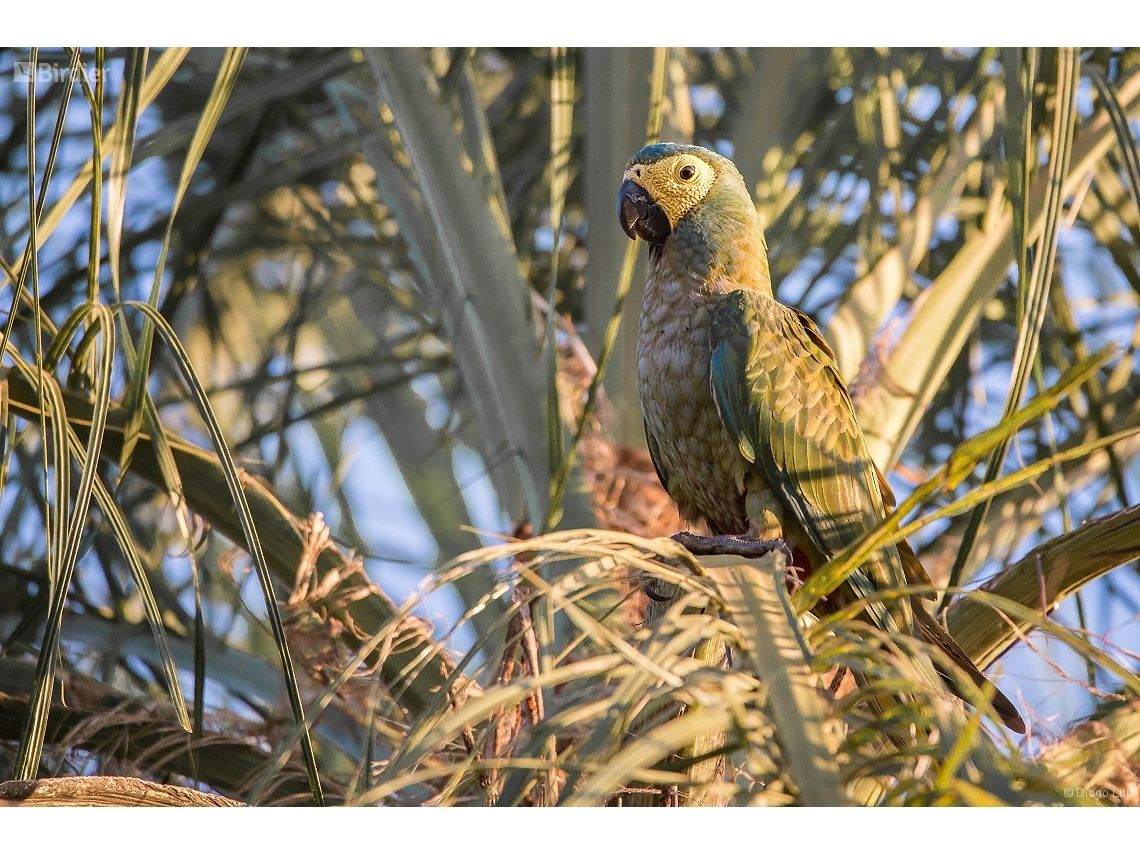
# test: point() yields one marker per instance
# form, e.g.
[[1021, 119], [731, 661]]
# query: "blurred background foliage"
[[377, 279]]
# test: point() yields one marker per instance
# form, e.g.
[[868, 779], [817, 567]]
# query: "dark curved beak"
[[640, 216]]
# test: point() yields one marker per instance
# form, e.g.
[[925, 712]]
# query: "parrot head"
[[697, 198], [663, 182]]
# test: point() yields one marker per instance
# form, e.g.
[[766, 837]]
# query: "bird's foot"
[[727, 544]]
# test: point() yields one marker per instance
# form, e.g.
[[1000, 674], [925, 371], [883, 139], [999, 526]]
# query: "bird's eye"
[[687, 172]]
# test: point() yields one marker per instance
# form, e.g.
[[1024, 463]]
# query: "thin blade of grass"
[[57, 135], [53, 424], [94, 255], [1020, 65], [652, 130], [126, 119], [7, 428], [54, 452], [561, 126], [98, 318], [561, 120], [175, 493], [172, 483], [1033, 290], [1129, 147], [151, 608], [211, 113], [1015, 479], [249, 529], [363, 774]]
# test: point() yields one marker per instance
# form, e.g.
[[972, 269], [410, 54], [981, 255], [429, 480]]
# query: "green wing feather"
[[655, 455], [780, 396]]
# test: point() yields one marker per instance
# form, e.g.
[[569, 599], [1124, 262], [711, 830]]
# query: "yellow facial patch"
[[676, 183]]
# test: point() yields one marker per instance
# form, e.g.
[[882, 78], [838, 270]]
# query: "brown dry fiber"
[[152, 740], [104, 791]]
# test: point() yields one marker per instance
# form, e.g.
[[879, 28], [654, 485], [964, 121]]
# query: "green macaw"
[[750, 427]]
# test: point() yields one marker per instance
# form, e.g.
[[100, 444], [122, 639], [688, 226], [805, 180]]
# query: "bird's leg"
[[727, 544]]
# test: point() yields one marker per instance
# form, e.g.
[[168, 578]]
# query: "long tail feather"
[[932, 632]]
